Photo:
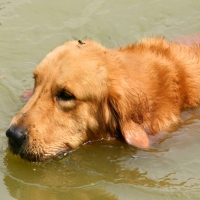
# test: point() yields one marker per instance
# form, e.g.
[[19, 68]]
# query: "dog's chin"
[[36, 156]]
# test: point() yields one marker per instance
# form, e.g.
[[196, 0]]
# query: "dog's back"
[[164, 76]]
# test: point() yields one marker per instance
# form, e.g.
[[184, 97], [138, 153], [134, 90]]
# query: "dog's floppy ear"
[[134, 134], [127, 117]]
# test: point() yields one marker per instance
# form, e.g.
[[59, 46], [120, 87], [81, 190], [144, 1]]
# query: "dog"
[[85, 92]]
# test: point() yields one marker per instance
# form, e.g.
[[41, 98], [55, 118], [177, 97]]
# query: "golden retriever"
[[84, 92]]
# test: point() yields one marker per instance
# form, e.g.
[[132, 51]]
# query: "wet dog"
[[86, 92]]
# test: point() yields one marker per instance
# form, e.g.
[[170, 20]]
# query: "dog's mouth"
[[13, 146], [37, 153]]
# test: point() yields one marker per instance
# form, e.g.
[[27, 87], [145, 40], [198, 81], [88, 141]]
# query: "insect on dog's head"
[[62, 112]]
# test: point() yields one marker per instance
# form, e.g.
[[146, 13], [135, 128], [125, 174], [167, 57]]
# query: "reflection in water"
[[31, 192], [94, 171], [74, 178]]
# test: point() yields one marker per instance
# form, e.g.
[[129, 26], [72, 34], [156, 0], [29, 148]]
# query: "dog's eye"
[[65, 96]]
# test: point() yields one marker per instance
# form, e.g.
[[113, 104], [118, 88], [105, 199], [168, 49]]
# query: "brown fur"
[[135, 91]]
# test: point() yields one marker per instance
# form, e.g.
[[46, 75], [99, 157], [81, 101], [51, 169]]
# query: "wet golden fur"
[[88, 92]]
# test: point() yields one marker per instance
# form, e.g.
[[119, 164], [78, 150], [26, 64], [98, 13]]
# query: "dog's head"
[[79, 95]]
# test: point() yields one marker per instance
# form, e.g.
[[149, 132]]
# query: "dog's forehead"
[[71, 56], [74, 66]]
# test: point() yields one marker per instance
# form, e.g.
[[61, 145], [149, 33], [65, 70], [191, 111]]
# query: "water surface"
[[100, 170]]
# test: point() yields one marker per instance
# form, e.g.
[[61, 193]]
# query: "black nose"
[[16, 137]]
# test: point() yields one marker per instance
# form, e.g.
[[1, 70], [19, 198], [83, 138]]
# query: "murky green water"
[[101, 170]]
